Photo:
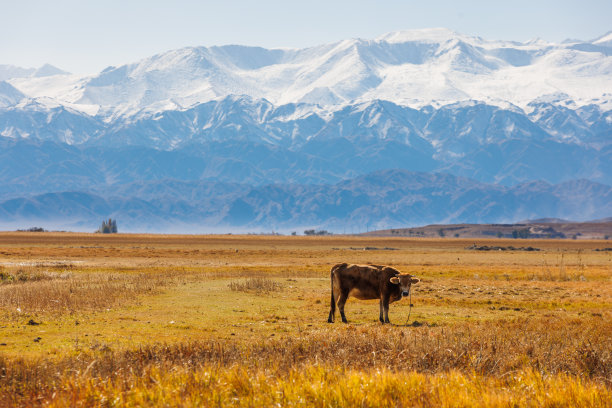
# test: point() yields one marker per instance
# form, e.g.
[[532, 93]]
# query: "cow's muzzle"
[[405, 293]]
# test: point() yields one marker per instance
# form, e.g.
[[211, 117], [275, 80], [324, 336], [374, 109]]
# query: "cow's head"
[[404, 280]]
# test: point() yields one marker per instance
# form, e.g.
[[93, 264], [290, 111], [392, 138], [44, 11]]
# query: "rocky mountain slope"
[[253, 141]]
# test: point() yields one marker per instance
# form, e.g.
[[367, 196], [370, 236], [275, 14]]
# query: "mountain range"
[[410, 68], [247, 137], [378, 200]]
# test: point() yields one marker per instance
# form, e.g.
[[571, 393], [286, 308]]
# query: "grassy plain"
[[99, 320]]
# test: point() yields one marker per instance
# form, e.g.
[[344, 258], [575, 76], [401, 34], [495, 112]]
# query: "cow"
[[368, 282]]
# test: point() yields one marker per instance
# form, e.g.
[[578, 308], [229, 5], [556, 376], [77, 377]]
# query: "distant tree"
[[499, 234], [309, 232], [108, 227], [441, 232], [522, 233], [33, 229]]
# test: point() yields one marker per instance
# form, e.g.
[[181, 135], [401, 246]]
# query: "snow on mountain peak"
[[9, 95], [11, 71], [48, 70], [413, 67], [605, 40]]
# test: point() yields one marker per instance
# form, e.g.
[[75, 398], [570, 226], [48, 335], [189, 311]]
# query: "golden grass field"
[[224, 320]]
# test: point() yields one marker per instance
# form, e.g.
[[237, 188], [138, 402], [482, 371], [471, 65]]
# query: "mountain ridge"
[[383, 199], [473, 139]]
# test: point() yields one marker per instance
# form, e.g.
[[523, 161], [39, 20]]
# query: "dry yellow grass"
[[241, 320], [337, 367], [322, 386]]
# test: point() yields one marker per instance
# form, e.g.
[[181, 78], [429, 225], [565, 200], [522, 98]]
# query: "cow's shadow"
[[415, 323]]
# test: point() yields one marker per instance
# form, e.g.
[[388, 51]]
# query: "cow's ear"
[[414, 280], [394, 280]]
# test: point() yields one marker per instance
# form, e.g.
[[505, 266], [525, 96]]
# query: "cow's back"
[[360, 281]]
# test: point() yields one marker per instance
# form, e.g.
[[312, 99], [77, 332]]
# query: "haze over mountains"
[[413, 127]]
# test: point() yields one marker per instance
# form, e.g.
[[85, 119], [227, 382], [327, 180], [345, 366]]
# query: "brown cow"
[[367, 282]]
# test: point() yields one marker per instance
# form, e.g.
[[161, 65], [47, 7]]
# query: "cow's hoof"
[[344, 321], [387, 321], [330, 321]]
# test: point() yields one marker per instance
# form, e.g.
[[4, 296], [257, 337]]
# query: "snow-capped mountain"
[[266, 129], [410, 68]]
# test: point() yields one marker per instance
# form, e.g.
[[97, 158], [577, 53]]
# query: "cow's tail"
[[332, 310]]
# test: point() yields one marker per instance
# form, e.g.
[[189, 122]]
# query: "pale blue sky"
[[85, 36]]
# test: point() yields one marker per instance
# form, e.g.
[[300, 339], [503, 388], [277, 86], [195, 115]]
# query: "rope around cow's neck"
[[409, 310]]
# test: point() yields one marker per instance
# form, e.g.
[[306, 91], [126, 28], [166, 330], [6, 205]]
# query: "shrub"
[[256, 285]]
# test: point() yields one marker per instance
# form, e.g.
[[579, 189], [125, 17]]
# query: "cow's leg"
[[336, 294], [332, 309], [341, 301], [380, 316], [385, 304]]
